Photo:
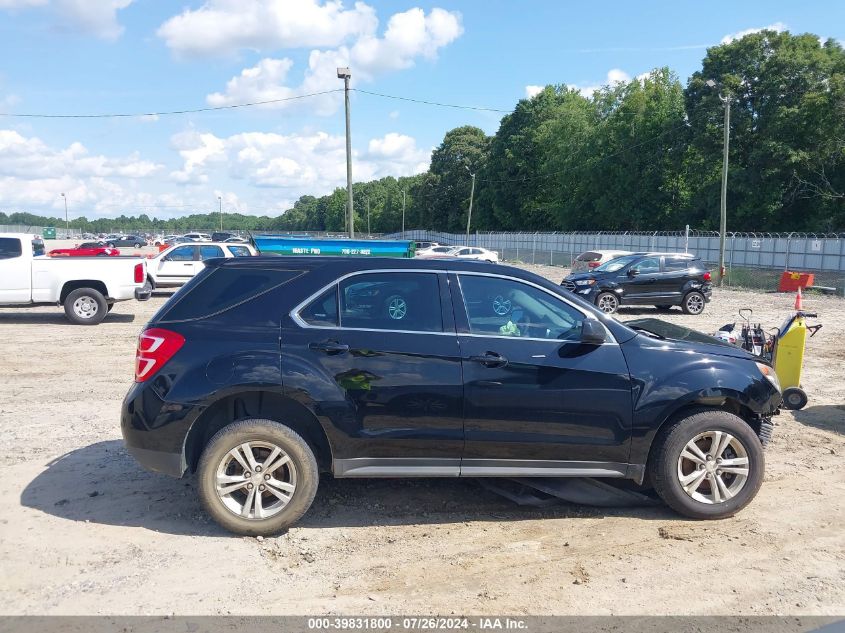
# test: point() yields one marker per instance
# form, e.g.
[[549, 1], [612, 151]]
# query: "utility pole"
[[220, 202], [471, 195], [723, 219], [67, 223], [403, 214], [343, 73], [367, 198], [723, 210]]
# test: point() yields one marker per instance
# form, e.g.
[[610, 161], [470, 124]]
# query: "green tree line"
[[640, 155]]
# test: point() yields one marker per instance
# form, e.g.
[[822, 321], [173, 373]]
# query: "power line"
[[433, 103], [116, 115]]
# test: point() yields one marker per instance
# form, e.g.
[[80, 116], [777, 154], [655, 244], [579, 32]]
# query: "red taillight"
[[593, 264], [156, 346], [707, 276], [139, 273]]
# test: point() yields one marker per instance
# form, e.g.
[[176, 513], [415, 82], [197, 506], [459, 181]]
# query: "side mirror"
[[633, 272], [592, 332]]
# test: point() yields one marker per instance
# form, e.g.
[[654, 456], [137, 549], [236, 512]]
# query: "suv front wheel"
[[707, 465], [257, 477]]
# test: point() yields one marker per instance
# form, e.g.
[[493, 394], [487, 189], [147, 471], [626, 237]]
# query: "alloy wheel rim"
[[713, 467], [85, 307], [695, 304], [255, 480], [397, 308], [607, 303]]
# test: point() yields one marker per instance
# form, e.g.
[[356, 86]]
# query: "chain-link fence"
[[753, 261]]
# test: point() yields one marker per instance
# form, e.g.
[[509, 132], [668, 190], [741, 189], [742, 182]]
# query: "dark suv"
[[263, 371], [659, 279]]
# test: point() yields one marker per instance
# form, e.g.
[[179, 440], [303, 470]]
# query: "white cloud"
[[394, 114], [223, 27], [777, 27], [532, 91], [409, 35], [313, 162], [93, 17], [33, 174], [614, 76]]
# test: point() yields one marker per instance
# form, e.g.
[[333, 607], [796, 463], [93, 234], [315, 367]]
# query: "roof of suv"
[[360, 263]]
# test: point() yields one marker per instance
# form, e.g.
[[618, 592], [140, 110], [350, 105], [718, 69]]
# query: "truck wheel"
[[794, 398], [693, 303], [85, 306], [707, 465], [607, 302], [257, 477]]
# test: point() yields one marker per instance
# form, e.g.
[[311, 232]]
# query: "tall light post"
[[220, 204], [343, 73], [367, 198], [471, 196], [67, 223], [723, 217], [403, 214]]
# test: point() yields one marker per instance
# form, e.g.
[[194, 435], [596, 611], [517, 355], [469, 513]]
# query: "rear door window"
[[10, 247], [209, 252], [391, 301]]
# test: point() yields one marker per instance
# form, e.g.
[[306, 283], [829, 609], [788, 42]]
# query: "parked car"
[[659, 279], [431, 368], [176, 265], [86, 249], [198, 237], [424, 245], [221, 236], [164, 239], [126, 240], [594, 259], [87, 288], [236, 240], [435, 251], [474, 252]]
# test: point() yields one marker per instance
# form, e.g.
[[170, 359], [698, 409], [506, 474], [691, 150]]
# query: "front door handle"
[[329, 347], [490, 359]]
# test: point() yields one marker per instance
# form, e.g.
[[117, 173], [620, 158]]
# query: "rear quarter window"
[[10, 247], [222, 289], [589, 256]]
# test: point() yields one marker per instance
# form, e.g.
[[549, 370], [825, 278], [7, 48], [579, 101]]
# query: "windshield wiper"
[[639, 328]]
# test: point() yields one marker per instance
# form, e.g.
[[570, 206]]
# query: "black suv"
[[263, 371], [659, 279]]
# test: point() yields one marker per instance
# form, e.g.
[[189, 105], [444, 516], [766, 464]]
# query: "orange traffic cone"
[[798, 303]]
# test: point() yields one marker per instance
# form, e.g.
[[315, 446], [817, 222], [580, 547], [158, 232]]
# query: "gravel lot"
[[83, 530]]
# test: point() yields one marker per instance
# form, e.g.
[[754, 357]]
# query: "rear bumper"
[[142, 294], [158, 461]]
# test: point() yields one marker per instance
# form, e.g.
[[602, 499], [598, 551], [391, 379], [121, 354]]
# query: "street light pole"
[[471, 196], [220, 202], [67, 223], [343, 73], [367, 198], [403, 214], [723, 203]]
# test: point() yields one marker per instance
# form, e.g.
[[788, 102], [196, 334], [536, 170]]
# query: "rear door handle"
[[329, 347], [490, 359]]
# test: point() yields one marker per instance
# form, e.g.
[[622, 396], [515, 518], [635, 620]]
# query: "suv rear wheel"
[[693, 303], [257, 477], [707, 465]]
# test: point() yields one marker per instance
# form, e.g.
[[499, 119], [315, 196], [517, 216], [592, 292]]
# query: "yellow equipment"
[[788, 358]]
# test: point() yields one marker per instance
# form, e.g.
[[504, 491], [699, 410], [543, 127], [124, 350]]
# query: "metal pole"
[[220, 201], [686, 239], [724, 202], [349, 207], [67, 223], [469, 214], [368, 216], [403, 214]]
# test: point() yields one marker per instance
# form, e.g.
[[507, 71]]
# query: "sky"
[[142, 56]]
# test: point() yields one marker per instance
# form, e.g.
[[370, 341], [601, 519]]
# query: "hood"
[[587, 275], [689, 339]]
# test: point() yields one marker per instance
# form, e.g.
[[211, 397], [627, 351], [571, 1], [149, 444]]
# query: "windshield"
[[616, 264]]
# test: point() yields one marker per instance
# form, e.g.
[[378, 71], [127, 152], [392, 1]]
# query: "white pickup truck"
[[87, 287]]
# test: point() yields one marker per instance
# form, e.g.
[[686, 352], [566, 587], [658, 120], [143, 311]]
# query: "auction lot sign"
[[386, 624]]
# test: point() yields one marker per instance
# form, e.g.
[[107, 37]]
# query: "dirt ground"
[[84, 530]]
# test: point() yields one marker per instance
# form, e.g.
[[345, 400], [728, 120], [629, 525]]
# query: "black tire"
[[137, 245], [794, 398], [258, 431], [110, 245], [663, 307], [663, 467], [85, 306], [607, 302], [693, 303]]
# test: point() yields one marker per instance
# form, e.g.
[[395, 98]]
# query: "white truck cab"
[[87, 287]]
